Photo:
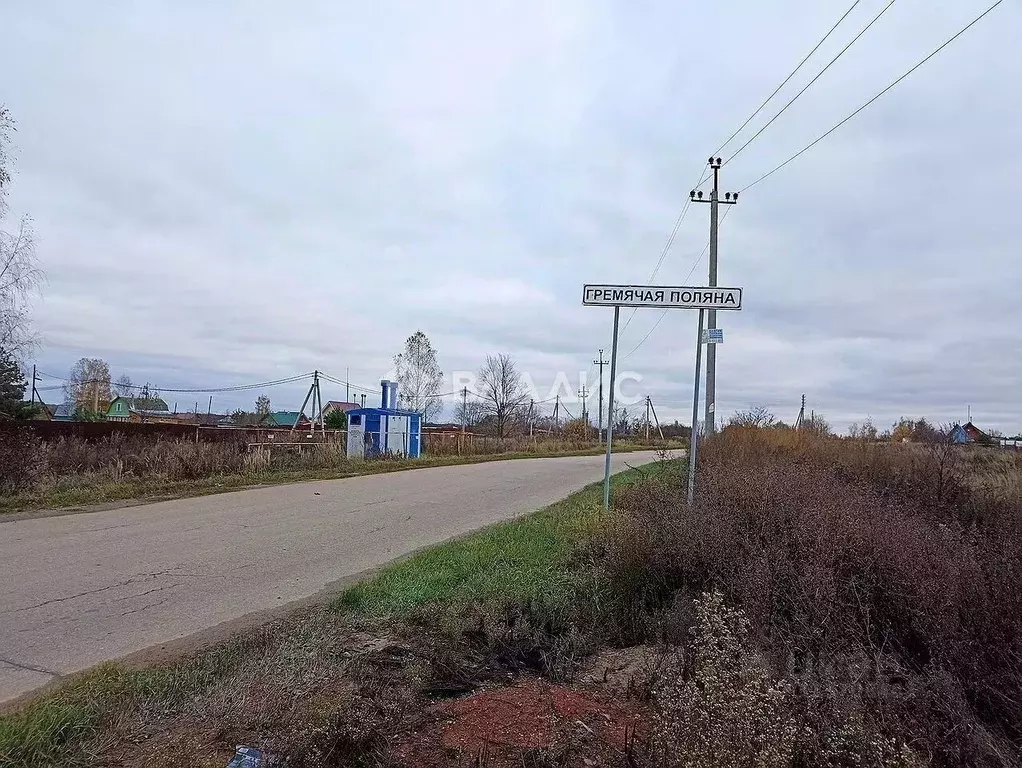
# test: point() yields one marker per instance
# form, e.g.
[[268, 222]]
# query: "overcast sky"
[[234, 192]]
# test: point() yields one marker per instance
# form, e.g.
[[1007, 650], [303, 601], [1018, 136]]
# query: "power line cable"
[[212, 390], [204, 390], [663, 314], [795, 98], [838, 125], [336, 380], [786, 80], [704, 175], [816, 141], [667, 247]]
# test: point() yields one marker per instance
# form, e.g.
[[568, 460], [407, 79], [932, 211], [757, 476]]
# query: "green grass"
[[58, 728], [154, 489], [514, 561]]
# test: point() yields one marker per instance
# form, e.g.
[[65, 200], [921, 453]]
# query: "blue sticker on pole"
[[713, 336]]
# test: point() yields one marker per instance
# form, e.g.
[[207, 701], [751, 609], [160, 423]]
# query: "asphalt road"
[[79, 589]]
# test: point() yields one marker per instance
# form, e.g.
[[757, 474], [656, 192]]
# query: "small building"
[[285, 419], [965, 434], [61, 412], [139, 410], [384, 430]]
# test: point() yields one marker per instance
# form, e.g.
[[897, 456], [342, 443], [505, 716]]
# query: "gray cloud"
[[234, 193]]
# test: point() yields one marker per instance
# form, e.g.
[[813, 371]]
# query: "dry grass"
[[880, 583], [75, 472]]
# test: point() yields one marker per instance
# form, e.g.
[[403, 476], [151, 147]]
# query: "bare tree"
[[759, 416], [622, 422], [6, 129], [123, 386], [419, 376], [262, 405], [865, 431], [817, 424], [20, 276], [88, 384], [470, 412], [502, 390]]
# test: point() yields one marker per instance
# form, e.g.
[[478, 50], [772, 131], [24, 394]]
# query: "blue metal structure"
[[383, 430]]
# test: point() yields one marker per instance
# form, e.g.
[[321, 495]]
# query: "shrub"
[[578, 430], [880, 578], [21, 460], [720, 706]]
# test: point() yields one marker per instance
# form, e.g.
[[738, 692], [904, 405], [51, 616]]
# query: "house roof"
[[205, 419], [969, 432], [340, 405], [62, 411], [145, 405], [975, 432], [285, 418]]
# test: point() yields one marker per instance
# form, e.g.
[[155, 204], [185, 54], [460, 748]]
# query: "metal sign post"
[[662, 297], [610, 412], [693, 442]]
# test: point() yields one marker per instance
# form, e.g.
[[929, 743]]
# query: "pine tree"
[[12, 388]]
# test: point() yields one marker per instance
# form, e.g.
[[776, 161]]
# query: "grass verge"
[[514, 561], [152, 489]]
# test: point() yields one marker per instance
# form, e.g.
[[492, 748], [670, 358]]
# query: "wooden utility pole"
[[655, 419], [464, 417], [601, 362], [647, 418], [35, 394], [316, 397], [583, 393]]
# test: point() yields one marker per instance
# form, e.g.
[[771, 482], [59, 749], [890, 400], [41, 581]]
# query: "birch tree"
[[20, 276], [419, 377]]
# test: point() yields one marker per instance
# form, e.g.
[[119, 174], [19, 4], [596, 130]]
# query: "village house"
[[138, 410], [285, 419]]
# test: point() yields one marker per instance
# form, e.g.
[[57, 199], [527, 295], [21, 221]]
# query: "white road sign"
[[661, 296]]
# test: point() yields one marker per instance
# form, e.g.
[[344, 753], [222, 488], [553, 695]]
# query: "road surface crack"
[[87, 592], [149, 592], [145, 607], [68, 597], [28, 667]]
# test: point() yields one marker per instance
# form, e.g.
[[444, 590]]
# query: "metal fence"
[[94, 431]]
